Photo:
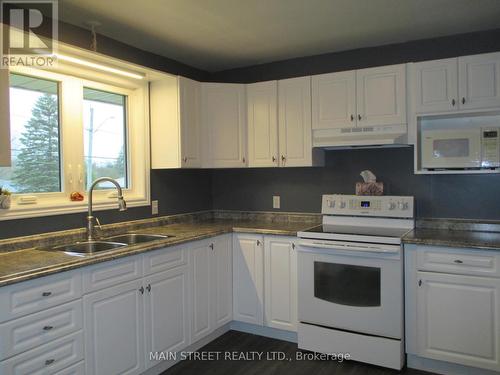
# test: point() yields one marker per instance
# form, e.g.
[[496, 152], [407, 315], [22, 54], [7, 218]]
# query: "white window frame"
[[71, 135]]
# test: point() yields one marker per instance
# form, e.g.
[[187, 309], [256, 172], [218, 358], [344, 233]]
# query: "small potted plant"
[[5, 197]]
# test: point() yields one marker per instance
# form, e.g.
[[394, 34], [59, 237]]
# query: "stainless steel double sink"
[[92, 247]]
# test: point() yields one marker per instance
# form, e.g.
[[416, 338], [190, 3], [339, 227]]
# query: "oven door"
[[353, 287]]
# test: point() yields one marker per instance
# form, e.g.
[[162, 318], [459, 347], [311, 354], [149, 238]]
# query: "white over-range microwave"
[[461, 148]]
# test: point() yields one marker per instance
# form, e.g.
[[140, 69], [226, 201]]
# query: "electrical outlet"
[[276, 201], [154, 207]]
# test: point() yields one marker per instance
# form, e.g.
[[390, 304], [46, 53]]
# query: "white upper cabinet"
[[175, 123], [334, 100], [479, 81], [223, 121], [4, 119], [295, 138], [381, 95], [436, 85], [262, 113], [463, 83]]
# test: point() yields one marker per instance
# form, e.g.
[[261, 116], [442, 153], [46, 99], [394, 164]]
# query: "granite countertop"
[[454, 238], [24, 264]]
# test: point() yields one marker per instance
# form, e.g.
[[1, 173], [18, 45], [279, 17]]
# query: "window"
[[104, 126], [66, 131], [34, 121]]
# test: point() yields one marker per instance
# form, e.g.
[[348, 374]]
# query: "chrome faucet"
[[122, 205]]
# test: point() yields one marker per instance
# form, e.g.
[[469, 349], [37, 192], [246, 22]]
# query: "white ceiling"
[[220, 34]]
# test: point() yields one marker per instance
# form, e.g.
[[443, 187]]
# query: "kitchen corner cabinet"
[[4, 119], [359, 98], [248, 278], [262, 112], [224, 125], [280, 280], [211, 298], [175, 104], [463, 83], [453, 305]]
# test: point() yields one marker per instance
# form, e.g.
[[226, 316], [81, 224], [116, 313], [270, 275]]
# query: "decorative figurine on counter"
[[5, 198], [76, 196]]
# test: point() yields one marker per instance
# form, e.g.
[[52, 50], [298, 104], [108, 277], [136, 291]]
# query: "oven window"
[[346, 284]]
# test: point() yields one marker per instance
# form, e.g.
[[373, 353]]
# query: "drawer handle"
[[49, 361], [458, 261], [48, 328], [46, 294]]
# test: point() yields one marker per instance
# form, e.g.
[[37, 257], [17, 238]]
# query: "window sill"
[[26, 211]]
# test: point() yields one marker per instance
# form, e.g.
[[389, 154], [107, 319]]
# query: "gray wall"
[[300, 189]]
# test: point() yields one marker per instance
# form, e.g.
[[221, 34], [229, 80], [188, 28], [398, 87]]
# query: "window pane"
[[105, 143], [34, 126]]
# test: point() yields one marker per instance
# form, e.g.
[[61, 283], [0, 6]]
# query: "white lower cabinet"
[[265, 281], [458, 319], [114, 330], [211, 265], [280, 280], [248, 278], [166, 312]]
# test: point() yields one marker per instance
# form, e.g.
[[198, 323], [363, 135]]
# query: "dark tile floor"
[[239, 342]]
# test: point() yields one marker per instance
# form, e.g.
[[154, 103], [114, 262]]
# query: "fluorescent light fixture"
[[105, 68]]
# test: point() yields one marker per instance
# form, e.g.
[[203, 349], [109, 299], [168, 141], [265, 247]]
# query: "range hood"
[[361, 137]]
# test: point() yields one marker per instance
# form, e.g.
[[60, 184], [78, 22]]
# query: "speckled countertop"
[[28, 263], [454, 238]]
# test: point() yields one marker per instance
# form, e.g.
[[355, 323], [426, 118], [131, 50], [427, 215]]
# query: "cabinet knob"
[[141, 289], [463, 100], [148, 288], [419, 282], [293, 246], [283, 158], [243, 160], [258, 243], [185, 159], [211, 246], [274, 159], [48, 328], [359, 117], [352, 118], [49, 361], [453, 102], [46, 294]]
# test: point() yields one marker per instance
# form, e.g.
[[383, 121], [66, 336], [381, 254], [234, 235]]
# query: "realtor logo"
[[28, 33]]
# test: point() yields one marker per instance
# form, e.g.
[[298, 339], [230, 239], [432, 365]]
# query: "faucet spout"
[[122, 205]]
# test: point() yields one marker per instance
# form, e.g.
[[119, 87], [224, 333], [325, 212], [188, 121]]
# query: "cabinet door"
[[223, 109], [479, 81], [280, 280], [458, 319], [248, 279], [262, 113], [334, 100], [190, 107], [436, 85], [294, 102], [222, 281], [381, 95], [200, 292], [114, 330], [166, 312]]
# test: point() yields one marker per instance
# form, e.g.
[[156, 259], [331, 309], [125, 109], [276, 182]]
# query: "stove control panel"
[[355, 205]]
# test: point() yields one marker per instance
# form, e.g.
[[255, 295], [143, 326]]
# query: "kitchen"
[[190, 211]]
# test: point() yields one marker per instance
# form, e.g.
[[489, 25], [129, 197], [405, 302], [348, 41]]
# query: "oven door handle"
[[335, 245]]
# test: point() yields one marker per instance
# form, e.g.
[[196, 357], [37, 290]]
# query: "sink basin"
[[136, 238], [89, 247]]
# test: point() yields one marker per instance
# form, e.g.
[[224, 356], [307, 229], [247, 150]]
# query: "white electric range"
[[350, 278]]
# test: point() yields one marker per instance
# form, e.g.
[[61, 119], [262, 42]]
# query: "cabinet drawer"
[[39, 294], [46, 359], [111, 273], [78, 369], [459, 261], [19, 335], [164, 259]]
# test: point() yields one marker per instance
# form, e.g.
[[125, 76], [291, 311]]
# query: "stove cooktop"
[[357, 231]]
